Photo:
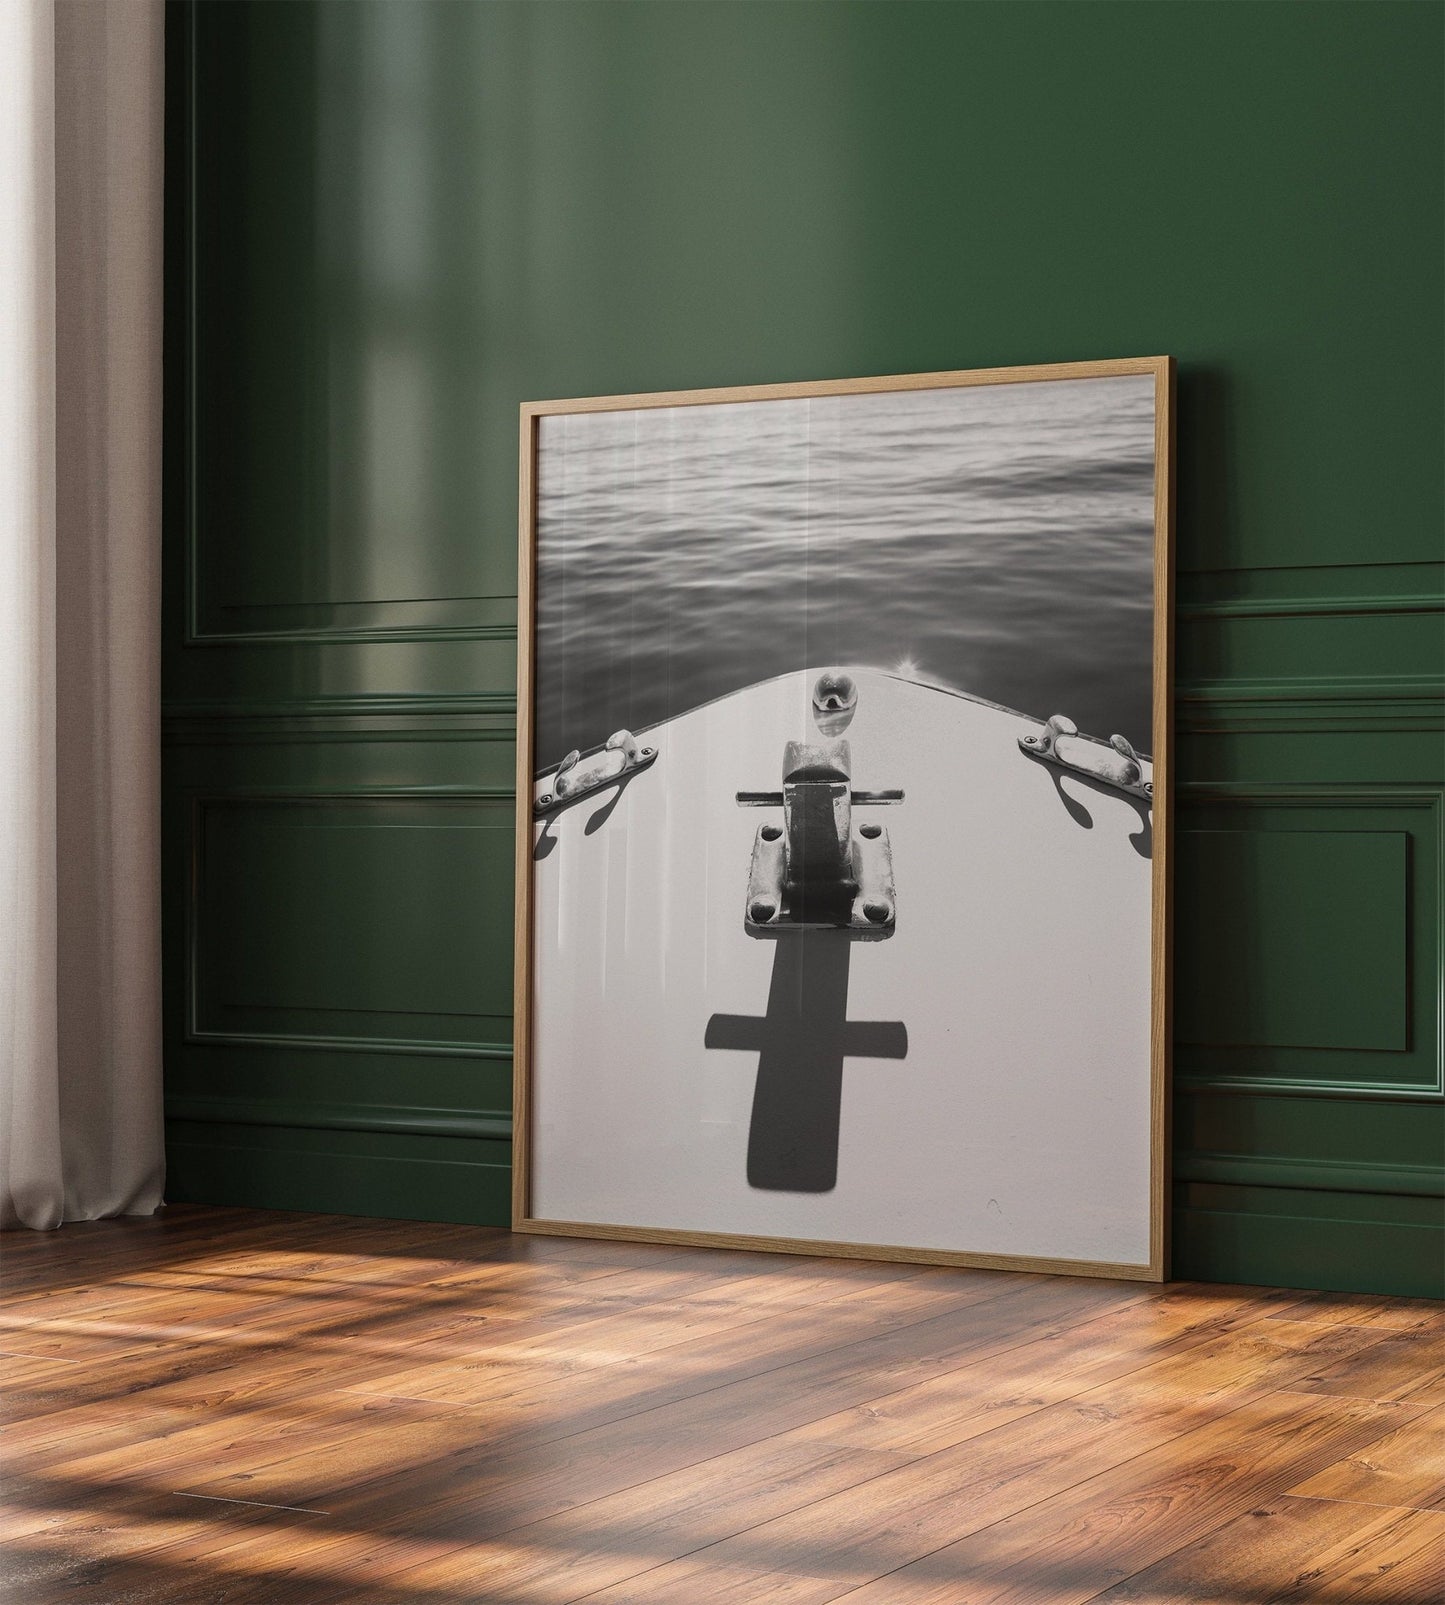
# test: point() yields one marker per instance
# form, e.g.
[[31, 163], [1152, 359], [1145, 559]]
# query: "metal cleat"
[[577, 777], [816, 870], [835, 700], [835, 692], [1116, 764]]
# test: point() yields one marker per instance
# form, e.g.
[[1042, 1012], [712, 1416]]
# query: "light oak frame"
[[1162, 370]]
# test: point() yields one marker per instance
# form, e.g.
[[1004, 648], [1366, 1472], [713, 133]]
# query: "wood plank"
[[32, 1446], [184, 1374], [1409, 1568], [868, 1533], [1404, 1365], [1219, 1468], [1405, 1469], [601, 1392], [1070, 1547], [513, 1308], [657, 1426], [942, 1410], [83, 1251], [248, 1457], [531, 1455], [218, 1378], [168, 1550], [480, 1495], [1294, 1551], [228, 1453], [613, 1539], [456, 1316], [322, 1567], [302, 1292], [1366, 1309], [689, 1581], [62, 1341], [19, 1369]]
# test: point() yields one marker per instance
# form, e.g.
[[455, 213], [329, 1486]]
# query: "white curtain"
[[81, 100]]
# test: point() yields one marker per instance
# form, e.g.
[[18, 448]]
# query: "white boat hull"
[[978, 1083]]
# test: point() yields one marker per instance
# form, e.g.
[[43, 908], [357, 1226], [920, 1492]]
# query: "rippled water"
[[995, 539]]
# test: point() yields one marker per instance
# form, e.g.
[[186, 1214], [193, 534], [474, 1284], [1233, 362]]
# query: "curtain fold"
[[81, 110]]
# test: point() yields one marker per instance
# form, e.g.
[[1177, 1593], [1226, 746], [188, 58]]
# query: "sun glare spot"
[[907, 667]]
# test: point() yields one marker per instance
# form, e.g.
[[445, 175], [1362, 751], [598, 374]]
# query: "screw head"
[[762, 910], [878, 911]]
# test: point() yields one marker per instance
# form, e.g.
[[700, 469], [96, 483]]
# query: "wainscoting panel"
[[280, 884], [338, 957], [1275, 952], [1312, 942]]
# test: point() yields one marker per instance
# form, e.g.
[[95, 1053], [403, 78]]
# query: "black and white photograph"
[[842, 901]]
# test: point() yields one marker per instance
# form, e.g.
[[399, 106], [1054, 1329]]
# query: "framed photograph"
[[843, 847]]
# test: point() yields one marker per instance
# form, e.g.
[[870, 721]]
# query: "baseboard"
[[1344, 1243], [464, 1180]]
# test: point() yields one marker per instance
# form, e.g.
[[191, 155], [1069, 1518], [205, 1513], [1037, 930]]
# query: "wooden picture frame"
[[1148, 1260]]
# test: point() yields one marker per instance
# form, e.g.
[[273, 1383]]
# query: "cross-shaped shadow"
[[801, 1044]]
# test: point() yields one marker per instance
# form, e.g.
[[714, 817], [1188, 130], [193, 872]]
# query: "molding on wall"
[[1283, 1087], [257, 732], [427, 1047], [344, 793], [1307, 607], [401, 1119], [1385, 792], [1411, 702], [1384, 795], [1415, 703], [1316, 1175], [369, 703], [439, 716], [344, 635], [1311, 591], [194, 1036], [1348, 697]]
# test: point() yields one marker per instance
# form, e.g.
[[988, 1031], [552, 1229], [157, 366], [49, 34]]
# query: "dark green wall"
[[391, 222]]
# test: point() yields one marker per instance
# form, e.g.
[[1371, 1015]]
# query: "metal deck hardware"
[[835, 701], [1116, 764], [834, 692], [577, 778], [817, 870]]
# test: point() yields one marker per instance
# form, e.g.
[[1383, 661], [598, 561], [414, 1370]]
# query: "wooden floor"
[[221, 1405]]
